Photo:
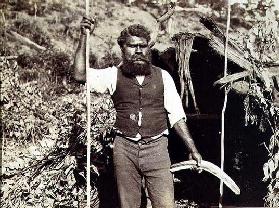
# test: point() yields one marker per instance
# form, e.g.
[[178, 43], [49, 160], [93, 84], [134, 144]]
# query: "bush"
[[49, 65], [34, 29], [57, 121]]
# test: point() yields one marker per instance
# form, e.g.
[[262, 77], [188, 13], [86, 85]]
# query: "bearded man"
[[147, 105]]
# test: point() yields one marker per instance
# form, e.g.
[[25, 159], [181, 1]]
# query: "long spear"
[[88, 152], [225, 104]]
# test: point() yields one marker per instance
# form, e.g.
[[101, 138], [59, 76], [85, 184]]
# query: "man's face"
[[136, 56], [135, 49]]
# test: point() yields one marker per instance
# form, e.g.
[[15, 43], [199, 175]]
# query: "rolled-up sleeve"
[[172, 101], [102, 80]]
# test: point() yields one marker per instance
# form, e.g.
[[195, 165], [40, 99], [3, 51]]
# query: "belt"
[[138, 139]]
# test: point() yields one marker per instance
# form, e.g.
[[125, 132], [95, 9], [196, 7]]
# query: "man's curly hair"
[[133, 30]]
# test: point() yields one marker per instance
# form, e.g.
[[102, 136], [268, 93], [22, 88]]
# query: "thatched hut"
[[245, 154]]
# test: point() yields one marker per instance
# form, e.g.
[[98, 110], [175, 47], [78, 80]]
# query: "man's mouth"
[[139, 60]]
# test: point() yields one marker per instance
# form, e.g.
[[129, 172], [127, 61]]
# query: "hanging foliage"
[[183, 47], [260, 106]]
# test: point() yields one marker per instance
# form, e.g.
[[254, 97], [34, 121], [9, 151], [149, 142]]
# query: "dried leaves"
[[44, 131]]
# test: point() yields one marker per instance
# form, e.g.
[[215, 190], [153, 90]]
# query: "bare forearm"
[[182, 130], [79, 71]]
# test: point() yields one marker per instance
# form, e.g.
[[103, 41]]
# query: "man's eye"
[[135, 46]]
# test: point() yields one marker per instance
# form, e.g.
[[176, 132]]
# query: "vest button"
[[133, 117]]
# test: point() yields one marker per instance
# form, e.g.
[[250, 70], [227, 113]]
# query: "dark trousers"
[[146, 159]]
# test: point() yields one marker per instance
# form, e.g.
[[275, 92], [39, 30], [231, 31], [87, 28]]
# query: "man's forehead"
[[136, 40]]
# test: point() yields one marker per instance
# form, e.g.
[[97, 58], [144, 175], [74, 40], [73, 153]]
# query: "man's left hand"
[[195, 156]]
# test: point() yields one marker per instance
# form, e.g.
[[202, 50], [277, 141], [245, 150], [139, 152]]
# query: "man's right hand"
[[87, 23]]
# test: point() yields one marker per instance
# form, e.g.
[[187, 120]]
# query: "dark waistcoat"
[[130, 98]]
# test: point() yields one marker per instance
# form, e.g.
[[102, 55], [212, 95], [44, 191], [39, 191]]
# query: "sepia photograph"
[[139, 103]]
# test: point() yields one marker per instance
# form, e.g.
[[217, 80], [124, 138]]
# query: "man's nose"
[[138, 50]]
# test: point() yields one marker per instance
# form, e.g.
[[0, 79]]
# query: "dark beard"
[[131, 69]]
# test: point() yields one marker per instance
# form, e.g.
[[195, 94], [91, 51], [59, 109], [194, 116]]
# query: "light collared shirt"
[[105, 80]]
